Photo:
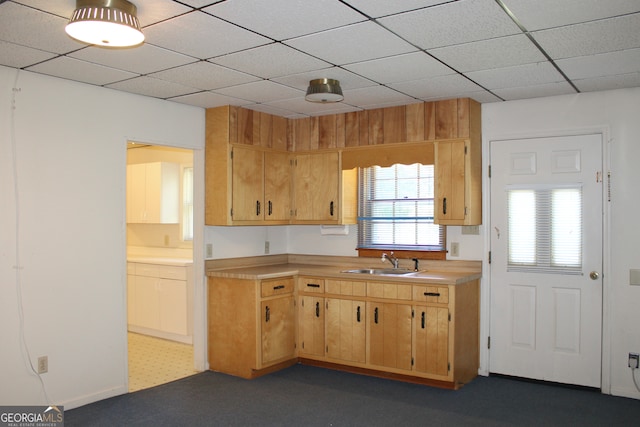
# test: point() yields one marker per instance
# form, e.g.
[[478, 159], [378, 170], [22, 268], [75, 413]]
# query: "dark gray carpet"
[[310, 396]]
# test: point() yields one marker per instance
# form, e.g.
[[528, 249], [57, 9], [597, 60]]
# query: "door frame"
[[485, 293]]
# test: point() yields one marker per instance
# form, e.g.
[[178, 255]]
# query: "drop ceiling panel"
[[609, 82], [270, 61], [376, 9], [612, 63], [346, 78], [535, 91], [353, 43], [16, 56], [201, 36], [437, 87], [204, 75], [209, 100], [376, 95], [400, 68], [487, 54], [541, 14], [452, 23], [81, 71], [311, 108], [591, 38], [301, 17], [517, 76], [149, 86], [143, 60], [261, 91]]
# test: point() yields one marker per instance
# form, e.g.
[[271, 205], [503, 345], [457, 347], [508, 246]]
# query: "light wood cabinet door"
[[278, 329], [316, 192], [311, 329], [248, 184], [432, 340], [346, 330], [389, 335], [450, 157], [277, 186]]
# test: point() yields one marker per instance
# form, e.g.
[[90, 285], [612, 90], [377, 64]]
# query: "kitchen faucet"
[[392, 259]]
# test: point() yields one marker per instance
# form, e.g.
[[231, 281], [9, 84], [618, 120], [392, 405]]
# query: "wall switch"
[[43, 364], [455, 249], [266, 247], [634, 277], [208, 249], [633, 360]]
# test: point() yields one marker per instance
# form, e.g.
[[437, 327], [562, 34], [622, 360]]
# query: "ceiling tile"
[[493, 53], [208, 99], [517, 76], [535, 91], [261, 91], [204, 75], [540, 14], [49, 36], [612, 63], [312, 108], [346, 78], [143, 59], [81, 71], [273, 60], [13, 55], [153, 11], [620, 81], [200, 3], [437, 87], [452, 23], [201, 35], [376, 9], [353, 43], [61, 8], [149, 86], [373, 96], [284, 19], [400, 68], [591, 38]]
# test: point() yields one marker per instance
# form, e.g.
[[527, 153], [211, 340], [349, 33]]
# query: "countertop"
[[282, 270], [179, 262]]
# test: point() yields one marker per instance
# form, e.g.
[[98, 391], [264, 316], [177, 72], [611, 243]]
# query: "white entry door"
[[546, 259]]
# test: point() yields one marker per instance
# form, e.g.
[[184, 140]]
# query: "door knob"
[[594, 275]]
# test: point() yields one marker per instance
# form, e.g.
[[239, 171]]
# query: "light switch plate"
[[634, 277]]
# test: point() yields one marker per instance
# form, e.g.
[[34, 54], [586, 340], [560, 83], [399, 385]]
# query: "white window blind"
[[545, 229], [395, 209]]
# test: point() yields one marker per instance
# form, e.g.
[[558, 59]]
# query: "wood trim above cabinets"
[[387, 155]]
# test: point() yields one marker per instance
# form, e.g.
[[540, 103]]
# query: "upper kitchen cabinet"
[[247, 177], [153, 191], [458, 167], [322, 192]]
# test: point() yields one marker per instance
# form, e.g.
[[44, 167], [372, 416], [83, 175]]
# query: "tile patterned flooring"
[[154, 361]]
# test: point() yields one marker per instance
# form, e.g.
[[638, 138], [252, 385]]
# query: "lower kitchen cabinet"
[[252, 325], [390, 335], [432, 340], [346, 330], [311, 326]]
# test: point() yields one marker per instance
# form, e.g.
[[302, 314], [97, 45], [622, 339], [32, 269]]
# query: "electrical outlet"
[[266, 247], [208, 251], [43, 364], [455, 249], [634, 360]]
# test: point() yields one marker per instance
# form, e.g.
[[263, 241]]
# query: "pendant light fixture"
[[111, 23], [324, 90]]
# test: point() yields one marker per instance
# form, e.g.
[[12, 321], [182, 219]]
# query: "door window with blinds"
[[545, 229], [395, 209]]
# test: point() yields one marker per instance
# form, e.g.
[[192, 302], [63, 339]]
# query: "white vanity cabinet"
[[160, 301], [153, 191]]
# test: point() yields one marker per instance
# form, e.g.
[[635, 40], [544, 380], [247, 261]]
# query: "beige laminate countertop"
[[282, 270], [179, 262]]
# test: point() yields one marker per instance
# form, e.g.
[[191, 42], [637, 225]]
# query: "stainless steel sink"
[[381, 271]]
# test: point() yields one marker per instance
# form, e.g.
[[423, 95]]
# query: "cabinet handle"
[[432, 294], [358, 314], [313, 285], [423, 320], [267, 314], [317, 309], [270, 207], [375, 315], [444, 206], [257, 207], [331, 208], [275, 288]]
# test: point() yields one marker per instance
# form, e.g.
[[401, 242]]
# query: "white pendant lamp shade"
[[324, 90], [111, 23]]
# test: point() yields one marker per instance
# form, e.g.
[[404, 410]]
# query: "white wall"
[[618, 114], [64, 271]]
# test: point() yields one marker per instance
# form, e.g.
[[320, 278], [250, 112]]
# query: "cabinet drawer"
[[433, 294], [276, 287], [389, 290], [346, 287], [147, 270], [172, 272], [311, 285]]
